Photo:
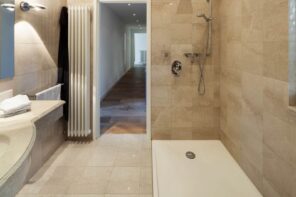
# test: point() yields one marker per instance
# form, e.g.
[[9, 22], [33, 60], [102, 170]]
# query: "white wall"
[[140, 45], [112, 64]]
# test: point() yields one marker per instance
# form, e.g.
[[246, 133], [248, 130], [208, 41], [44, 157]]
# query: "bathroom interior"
[[219, 107]]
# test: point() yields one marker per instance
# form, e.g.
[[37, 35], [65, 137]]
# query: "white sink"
[[15, 139], [4, 143]]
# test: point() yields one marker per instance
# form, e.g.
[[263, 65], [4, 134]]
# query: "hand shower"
[[207, 51]]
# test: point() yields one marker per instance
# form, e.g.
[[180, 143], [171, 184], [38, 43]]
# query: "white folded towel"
[[15, 104]]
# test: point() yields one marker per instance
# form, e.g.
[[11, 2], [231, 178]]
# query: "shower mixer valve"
[[176, 68]]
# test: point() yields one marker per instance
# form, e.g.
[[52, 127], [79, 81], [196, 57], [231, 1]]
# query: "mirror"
[[7, 16]]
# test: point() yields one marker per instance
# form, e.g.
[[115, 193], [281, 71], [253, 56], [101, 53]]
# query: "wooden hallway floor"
[[123, 110]]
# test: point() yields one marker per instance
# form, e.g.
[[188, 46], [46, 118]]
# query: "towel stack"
[[15, 105]]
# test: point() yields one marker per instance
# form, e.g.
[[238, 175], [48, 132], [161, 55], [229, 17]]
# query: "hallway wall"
[[178, 111], [258, 128], [111, 49]]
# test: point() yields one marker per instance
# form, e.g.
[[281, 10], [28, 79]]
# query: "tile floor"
[[116, 165]]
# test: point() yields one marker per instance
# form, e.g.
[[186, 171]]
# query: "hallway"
[[123, 110]]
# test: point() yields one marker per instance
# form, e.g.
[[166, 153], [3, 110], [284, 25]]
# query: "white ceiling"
[[125, 12]]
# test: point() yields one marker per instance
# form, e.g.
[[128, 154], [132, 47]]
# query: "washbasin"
[[4, 143], [16, 138]]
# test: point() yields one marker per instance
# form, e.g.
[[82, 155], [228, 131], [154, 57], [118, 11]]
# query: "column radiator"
[[79, 57]]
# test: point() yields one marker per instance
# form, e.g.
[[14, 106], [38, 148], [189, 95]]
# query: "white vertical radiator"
[[79, 57]]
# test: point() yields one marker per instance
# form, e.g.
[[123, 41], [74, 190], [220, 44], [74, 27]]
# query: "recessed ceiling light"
[[171, 3], [129, 4], [134, 14]]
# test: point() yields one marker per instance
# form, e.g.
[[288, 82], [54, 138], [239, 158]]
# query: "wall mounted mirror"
[[7, 17]]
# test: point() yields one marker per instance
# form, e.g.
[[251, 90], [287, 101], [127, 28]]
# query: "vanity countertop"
[[17, 136], [38, 110]]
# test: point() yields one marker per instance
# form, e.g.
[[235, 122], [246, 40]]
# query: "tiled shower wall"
[[178, 111], [257, 126], [36, 48]]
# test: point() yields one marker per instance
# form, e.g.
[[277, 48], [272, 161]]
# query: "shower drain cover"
[[190, 155]]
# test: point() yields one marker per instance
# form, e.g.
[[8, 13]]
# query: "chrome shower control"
[[176, 67]]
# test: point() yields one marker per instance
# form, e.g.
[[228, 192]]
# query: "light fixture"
[[134, 14], [8, 6], [25, 6], [129, 4]]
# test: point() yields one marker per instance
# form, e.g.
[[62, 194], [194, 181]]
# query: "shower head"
[[207, 19]]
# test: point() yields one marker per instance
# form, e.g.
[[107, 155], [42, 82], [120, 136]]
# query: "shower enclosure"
[[186, 106]]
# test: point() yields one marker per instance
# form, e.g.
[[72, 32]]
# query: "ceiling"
[[125, 12]]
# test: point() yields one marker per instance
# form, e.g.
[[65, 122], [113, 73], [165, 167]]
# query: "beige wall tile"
[[176, 30], [36, 49], [279, 174], [275, 61], [255, 121]]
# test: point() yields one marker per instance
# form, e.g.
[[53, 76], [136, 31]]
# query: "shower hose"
[[201, 83]]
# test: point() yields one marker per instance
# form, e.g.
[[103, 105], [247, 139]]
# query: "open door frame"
[[96, 67]]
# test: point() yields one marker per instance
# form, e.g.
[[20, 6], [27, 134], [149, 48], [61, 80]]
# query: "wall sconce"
[[8, 6], [25, 6]]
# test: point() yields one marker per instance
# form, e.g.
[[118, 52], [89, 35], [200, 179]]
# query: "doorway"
[[122, 49]]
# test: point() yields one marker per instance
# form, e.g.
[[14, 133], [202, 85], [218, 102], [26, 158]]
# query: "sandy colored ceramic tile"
[[161, 76], [252, 92], [254, 172], [233, 127], [274, 21], [124, 180], [268, 189], [85, 186], [181, 33], [226, 5], [182, 96], [161, 133], [146, 158], [162, 13], [161, 96], [181, 133], [252, 20], [205, 133], [93, 180], [275, 59], [278, 173], [161, 116], [275, 98], [182, 117], [252, 149], [252, 57], [205, 116], [146, 180], [280, 138], [124, 158], [126, 187]]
